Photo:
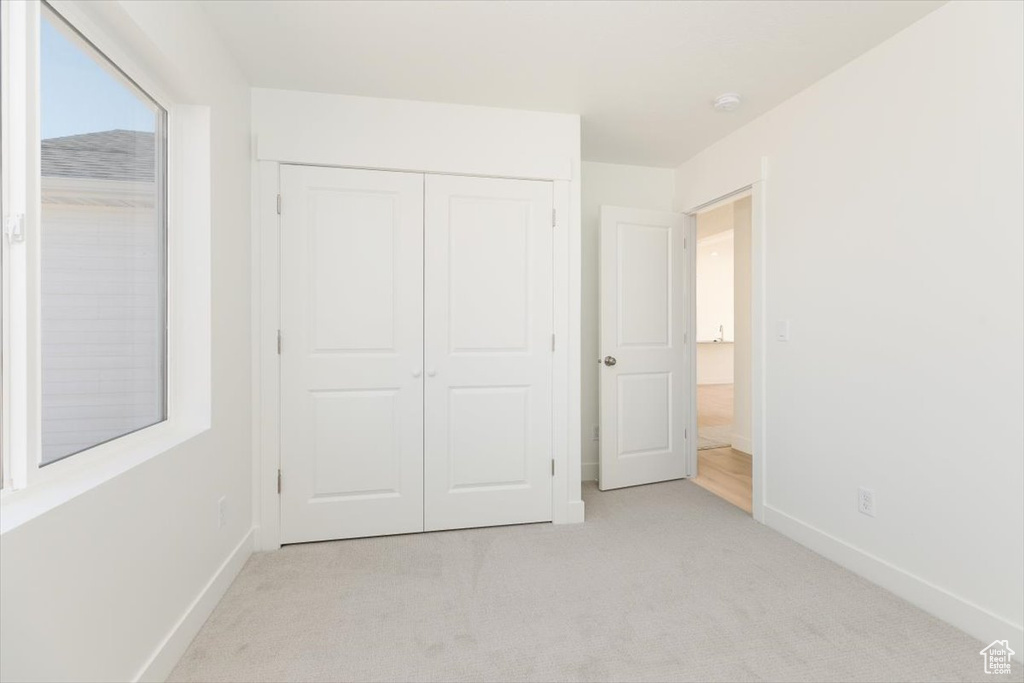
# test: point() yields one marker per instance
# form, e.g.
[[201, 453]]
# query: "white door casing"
[[351, 353], [645, 400], [488, 352]]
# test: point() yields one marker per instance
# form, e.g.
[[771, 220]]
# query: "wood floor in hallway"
[[725, 472]]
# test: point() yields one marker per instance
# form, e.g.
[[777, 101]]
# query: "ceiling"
[[642, 74]]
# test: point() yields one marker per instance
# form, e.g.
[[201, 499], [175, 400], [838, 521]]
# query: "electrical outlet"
[[866, 501], [597, 433], [222, 510]]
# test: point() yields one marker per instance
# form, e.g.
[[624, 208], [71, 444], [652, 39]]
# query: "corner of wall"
[[163, 660]]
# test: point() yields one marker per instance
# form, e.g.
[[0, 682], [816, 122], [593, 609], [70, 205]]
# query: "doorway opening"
[[724, 352], [649, 383]]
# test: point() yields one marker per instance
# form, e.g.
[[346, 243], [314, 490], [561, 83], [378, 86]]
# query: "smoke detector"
[[727, 102]]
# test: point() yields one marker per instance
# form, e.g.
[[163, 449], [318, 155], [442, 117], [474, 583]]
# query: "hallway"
[[724, 471]]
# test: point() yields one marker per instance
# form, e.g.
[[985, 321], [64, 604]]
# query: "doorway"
[[648, 305], [723, 351]]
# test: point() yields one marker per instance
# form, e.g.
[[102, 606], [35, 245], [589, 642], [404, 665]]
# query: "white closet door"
[[645, 364], [351, 357], [488, 357]]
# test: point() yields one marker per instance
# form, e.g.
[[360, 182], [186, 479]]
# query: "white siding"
[[102, 324]]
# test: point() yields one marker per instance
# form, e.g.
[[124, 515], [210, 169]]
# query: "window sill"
[[92, 469]]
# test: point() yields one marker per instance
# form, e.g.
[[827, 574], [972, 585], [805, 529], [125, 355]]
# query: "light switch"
[[782, 330]]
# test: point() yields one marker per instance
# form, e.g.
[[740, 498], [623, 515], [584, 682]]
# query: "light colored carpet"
[[663, 582], [717, 436]]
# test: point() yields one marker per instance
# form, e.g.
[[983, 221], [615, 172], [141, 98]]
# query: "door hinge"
[[279, 481], [279, 342], [554, 218], [552, 467], [14, 227], [686, 434], [552, 341], [278, 205], [684, 239]]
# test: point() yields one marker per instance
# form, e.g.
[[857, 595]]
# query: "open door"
[[646, 359]]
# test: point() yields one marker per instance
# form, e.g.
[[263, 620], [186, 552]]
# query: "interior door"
[[488, 352], [351, 353], [645, 362]]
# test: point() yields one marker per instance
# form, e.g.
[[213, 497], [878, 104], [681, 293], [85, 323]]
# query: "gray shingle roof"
[[108, 155]]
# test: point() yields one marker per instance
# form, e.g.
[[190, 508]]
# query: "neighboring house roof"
[[124, 155]]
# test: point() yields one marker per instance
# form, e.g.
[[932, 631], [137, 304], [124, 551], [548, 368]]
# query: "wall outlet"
[[866, 501], [222, 510], [597, 433]]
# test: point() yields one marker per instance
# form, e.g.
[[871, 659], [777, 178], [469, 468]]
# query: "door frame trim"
[[567, 504], [757, 190]]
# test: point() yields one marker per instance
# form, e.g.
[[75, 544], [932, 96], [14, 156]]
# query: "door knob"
[[416, 373], [431, 372], [610, 361]]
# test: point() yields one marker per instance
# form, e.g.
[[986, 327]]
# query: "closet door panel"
[[351, 357], [487, 353]]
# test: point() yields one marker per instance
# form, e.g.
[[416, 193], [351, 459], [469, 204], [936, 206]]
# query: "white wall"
[[715, 295], [893, 241], [638, 187], [715, 362], [715, 287], [368, 132], [741, 399], [90, 590]]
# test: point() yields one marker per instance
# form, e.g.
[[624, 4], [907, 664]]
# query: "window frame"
[[4, 267], [31, 489], [73, 36]]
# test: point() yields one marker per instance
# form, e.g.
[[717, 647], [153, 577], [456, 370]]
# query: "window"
[[103, 285], [4, 267], [105, 278]]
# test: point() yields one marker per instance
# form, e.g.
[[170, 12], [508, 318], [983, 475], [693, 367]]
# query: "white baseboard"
[[966, 616], [741, 444], [162, 662], [590, 471], [574, 512]]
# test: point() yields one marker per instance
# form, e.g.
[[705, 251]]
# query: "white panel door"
[[645, 364], [488, 352], [351, 356]]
